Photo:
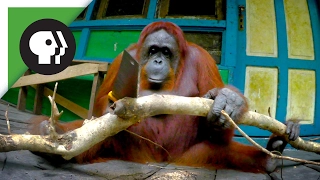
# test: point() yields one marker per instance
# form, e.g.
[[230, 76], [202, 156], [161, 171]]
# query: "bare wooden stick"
[[70, 144], [132, 110], [262, 148], [270, 124], [55, 115], [169, 104], [314, 139], [146, 139], [7, 119]]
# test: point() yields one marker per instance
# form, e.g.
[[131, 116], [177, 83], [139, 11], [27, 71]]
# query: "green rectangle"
[[224, 75], [108, 44]]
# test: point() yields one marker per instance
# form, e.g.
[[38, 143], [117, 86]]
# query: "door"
[[278, 61]]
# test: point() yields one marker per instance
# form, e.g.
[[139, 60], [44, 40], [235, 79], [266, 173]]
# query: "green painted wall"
[[224, 75], [76, 89], [108, 44]]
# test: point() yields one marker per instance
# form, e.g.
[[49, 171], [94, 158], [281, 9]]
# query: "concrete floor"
[[18, 165]]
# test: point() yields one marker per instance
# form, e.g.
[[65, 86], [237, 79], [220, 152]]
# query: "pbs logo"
[[47, 46]]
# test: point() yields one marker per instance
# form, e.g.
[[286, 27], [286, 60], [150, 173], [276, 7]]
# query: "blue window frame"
[[227, 27]]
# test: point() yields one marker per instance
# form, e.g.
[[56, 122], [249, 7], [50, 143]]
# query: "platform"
[[17, 165]]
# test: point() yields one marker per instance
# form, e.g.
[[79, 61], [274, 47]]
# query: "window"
[[109, 9], [128, 15], [82, 15], [210, 41], [203, 9]]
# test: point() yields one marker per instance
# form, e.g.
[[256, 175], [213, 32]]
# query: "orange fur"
[[188, 140]]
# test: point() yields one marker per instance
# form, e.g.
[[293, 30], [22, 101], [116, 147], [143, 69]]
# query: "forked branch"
[[130, 111]]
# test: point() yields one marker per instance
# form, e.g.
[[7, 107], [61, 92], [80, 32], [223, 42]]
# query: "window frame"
[[104, 6], [228, 27], [163, 10]]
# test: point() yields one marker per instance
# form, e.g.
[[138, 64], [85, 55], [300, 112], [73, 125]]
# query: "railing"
[[77, 68]]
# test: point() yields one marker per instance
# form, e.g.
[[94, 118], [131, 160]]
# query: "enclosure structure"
[[268, 49]]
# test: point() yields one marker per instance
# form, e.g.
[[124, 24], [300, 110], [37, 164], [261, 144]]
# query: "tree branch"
[[131, 111], [169, 104], [262, 148]]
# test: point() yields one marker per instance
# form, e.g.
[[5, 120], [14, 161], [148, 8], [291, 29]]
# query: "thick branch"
[[93, 131], [264, 149], [69, 144], [267, 123], [168, 104]]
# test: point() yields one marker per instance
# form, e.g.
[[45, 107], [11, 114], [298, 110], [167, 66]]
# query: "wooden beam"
[[73, 107], [37, 106], [97, 81], [77, 61], [22, 97], [103, 66], [71, 71]]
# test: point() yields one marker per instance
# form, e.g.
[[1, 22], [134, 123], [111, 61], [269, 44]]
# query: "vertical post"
[[97, 81], [22, 97], [37, 107]]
